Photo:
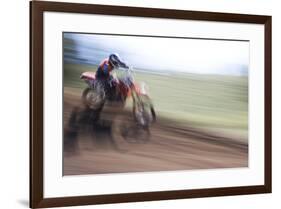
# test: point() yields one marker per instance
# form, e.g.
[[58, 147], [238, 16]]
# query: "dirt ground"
[[94, 147]]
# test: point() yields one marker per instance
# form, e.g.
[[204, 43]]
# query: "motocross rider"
[[105, 69], [108, 65]]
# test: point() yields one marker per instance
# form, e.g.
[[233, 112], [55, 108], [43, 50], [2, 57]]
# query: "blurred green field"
[[210, 101]]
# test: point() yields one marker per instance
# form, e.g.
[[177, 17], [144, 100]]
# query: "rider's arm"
[[123, 64]]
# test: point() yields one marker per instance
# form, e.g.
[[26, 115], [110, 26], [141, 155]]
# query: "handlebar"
[[128, 78]]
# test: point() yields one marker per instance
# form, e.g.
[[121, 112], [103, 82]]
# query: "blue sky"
[[166, 54]]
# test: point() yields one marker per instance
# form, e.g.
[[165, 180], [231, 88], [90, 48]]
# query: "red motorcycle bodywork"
[[122, 87]]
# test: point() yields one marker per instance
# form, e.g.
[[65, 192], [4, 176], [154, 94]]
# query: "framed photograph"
[[139, 104]]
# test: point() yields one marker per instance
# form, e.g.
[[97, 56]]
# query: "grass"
[[212, 101]]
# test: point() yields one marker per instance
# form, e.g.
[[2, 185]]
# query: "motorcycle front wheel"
[[143, 111]]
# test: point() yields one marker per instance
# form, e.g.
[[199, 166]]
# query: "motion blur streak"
[[202, 118]]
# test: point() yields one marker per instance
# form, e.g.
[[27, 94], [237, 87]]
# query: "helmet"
[[114, 60]]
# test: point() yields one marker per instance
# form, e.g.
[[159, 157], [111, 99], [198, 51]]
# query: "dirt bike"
[[118, 90]]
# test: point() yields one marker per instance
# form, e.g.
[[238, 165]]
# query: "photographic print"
[[175, 103], [136, 103]]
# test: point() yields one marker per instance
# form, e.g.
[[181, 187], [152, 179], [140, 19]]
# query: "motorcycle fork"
[[137, 102]]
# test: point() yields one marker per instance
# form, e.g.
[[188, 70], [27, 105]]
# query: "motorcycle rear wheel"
[[93, 99]]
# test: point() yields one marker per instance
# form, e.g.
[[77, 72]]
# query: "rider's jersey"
[[104, 70]]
